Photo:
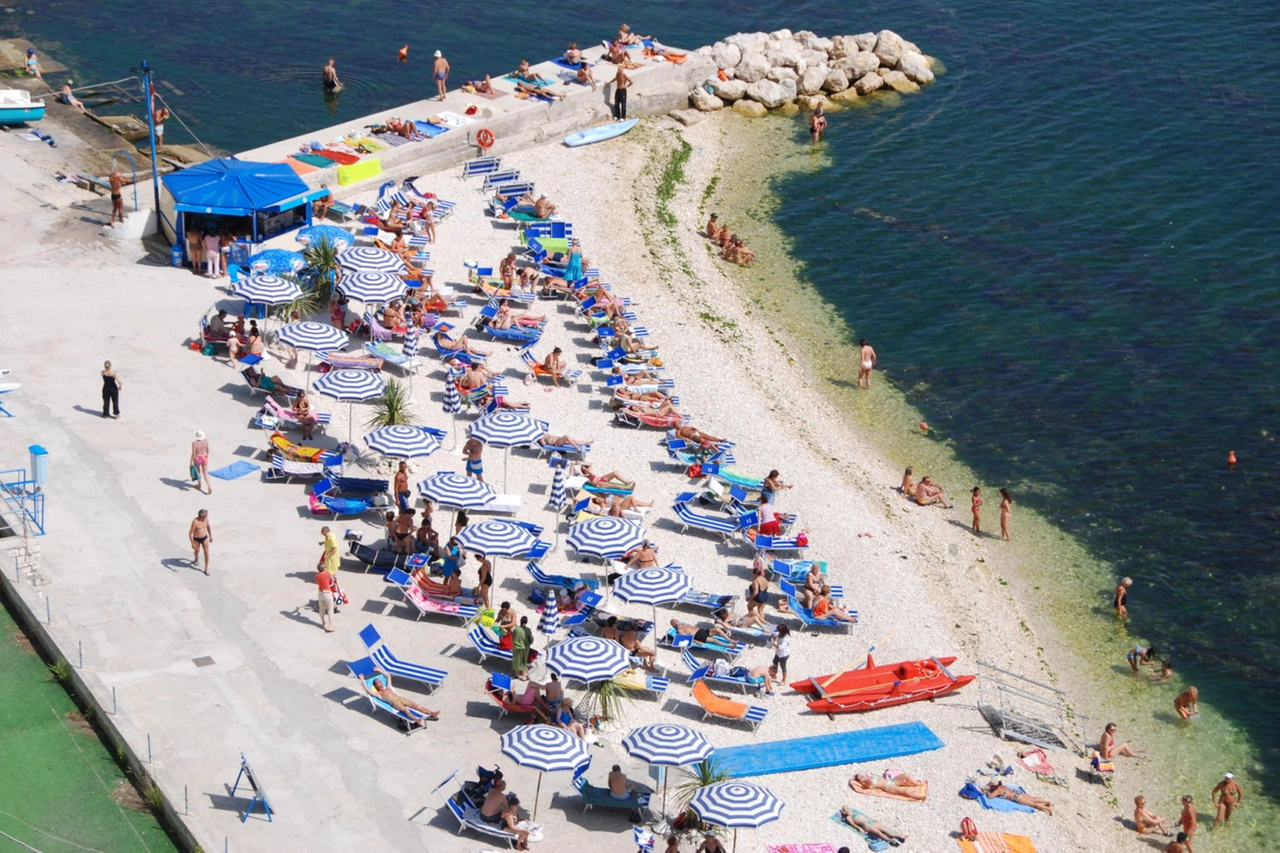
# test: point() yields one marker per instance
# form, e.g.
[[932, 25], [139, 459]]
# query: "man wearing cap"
[[64, 94], [441, 73], [1227, 795]]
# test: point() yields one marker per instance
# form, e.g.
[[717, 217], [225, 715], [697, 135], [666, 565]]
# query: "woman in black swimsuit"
[[110, 391], [486, 579]]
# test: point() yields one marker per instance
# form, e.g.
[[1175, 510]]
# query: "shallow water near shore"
[[1064, 252]]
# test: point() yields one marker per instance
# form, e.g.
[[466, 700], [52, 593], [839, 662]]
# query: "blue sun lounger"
[[481, 166], [389, 663], [541, 578], [410, 719], [806, 616], [487, 644], [469, 818], [593, 796], [703, 671], [690, 517], [676, 640]]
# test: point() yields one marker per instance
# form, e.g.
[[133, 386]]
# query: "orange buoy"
[[404, 53], [485, 138], [1231, 459]]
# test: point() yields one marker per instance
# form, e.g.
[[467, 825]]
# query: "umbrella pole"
[[309, 353], [735, 839], [506, 455], [537, 795]]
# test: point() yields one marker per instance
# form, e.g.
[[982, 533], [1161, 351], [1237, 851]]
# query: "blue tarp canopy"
[[233, 187]]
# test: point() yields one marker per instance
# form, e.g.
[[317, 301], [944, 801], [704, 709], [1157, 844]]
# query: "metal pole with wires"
[[149, 90]]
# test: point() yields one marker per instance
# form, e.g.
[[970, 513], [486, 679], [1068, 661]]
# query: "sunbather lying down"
[[870, 827], [578, 444], [690, 433], [715, 634], [901, 785], [611, 480], [531, 89], [460, 345], [998, 789], [616, 505], [380, 685]]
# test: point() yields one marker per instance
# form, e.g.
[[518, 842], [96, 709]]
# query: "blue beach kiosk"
[[255, 201]]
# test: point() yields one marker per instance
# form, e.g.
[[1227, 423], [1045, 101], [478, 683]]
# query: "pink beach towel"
[[802, 848]]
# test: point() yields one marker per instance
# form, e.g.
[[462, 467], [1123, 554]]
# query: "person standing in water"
[[1187, 703], [867, 361], [975, 506], [817, 123], [331, 81], [1227, 796], [1006, 506], [111, 385], [1122, 598], [440, 70]]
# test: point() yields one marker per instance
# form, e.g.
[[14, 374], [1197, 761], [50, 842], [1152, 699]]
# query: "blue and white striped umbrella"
[[668, 744], [370, 287], [452, 400], [350, 386], [605, 537], [508, 429], [546, 749], [401, 442], [652, 586], [411, 338], [559, 496], [370, 259], [549, 623], [455, 490], [497, 538], [588, 659], [276, 261], [313, 336], [267, 289], [314, 234], [736, 804]]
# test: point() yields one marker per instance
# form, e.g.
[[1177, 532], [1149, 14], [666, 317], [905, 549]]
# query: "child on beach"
[[1006, 505], [976, 507]]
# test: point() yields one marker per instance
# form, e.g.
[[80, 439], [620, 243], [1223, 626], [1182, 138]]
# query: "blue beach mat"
[[808, 753], [996, 804], [235, 470], [876, 844], [560, 60], [430, 129]]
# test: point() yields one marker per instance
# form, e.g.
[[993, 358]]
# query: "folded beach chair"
[[375, 559], [593, 796], [637, 679], [690, 517], [726, 709], [684, 641], [469, 818], [700, 671], [806, 616], [556, 230], [494, 180], [273, 416], [386, 661], [487, 644], [481, 166], [427, 605], [410, 719]]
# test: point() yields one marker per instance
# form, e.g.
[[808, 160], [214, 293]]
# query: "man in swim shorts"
[[331, 81], [201, 536], [440, 70], [471, 451], [117, 197], [619, 787]]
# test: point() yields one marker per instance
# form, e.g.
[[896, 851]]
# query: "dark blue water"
[[1064, 250]]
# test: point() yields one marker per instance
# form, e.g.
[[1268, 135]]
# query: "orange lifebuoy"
[[485, 138]]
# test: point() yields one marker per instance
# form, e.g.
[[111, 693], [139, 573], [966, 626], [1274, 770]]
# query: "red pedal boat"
[[881, 686]]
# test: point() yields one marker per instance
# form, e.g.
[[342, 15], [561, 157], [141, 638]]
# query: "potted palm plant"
[[321, 257], [392, 407]]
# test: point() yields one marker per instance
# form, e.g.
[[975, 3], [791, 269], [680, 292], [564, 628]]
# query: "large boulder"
[[784, 54], [781, 35], [864, 41], [752, 67], [835, 81], [815, 57], [750, 109], [777, 75], [848, 96], [888, 47], [868, 83], [789, 109], [727, 55], [749, 41], [898, 82], [768, 93], [788, 89], [842, 46], [728, 90], [701, 99], [813, 42], [811, 82], [916, 67], [857, 64], [910, 47], [686, 117]]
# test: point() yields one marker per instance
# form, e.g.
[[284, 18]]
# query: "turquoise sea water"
[[1064, 251]]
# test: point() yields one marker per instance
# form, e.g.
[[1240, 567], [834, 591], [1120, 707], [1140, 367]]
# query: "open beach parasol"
[[315, 233], [652, 586], [736, 804], [497, 538], [606, 538], [267, 289], [311, 336], [547, 749], [350, 386], [667, 745], [588, 659], [372, 287], [401, 442], [276, 261], [507, 430], [370, 259], [454, 490]]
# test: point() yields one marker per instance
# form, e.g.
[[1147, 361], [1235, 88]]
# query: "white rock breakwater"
[[789, 71]]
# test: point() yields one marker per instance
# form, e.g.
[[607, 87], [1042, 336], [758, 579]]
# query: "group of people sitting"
[[501, 808], [924, 493], [732, 247]]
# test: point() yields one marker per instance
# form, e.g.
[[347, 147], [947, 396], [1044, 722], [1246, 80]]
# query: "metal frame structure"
[[1028, 711]]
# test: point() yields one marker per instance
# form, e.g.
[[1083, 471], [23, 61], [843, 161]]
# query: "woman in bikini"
[[1108, 747], [619, 504], [1189, 820], [380, 685], [867, 826], [200, 461], [998, 789], [485, 582], [908, 487], [901, 785], [1006, 505], [612, 480], [975, 506]]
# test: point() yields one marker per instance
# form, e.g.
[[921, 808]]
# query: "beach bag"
[[195, 474], [968, 829], [538, 596], [339, 597], [207, 349], [695, 471], [802, 539]]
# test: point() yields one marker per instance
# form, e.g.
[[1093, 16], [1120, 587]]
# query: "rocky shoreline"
[[786, 71]]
